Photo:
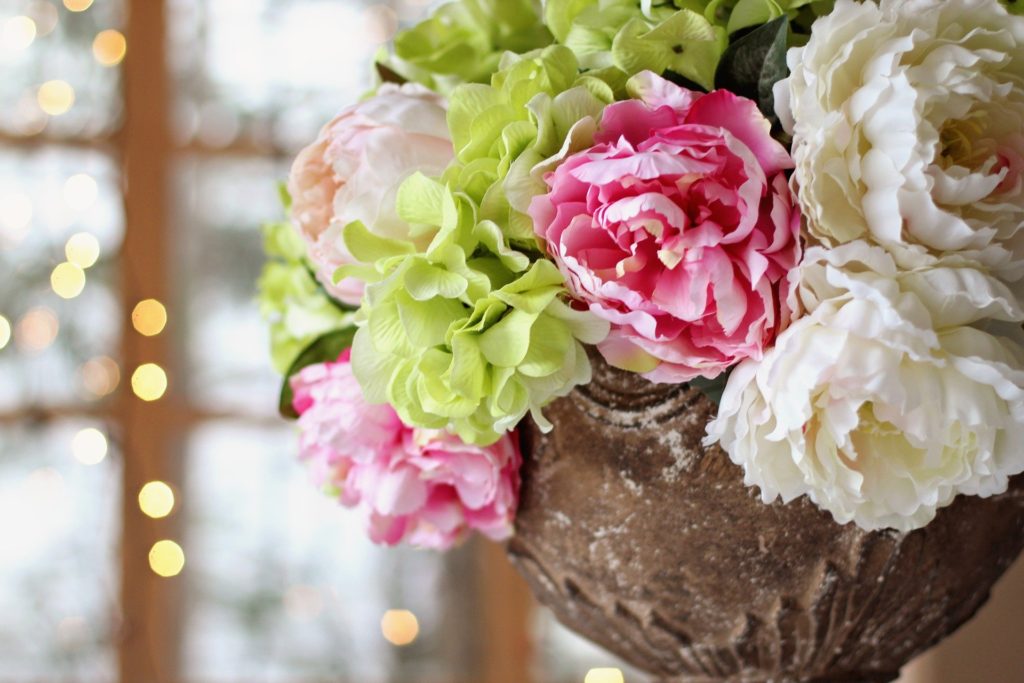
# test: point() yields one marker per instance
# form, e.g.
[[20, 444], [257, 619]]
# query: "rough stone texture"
[[651, 546]]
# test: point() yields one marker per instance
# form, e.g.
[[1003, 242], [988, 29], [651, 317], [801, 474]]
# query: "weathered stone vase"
[[648, 544]]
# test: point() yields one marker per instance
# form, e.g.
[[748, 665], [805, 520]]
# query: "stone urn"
[[650, 545]]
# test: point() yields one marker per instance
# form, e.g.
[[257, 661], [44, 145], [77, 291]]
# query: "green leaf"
[[753, 64], [712, 388], [420, 200], [368, 247], [326, 349]]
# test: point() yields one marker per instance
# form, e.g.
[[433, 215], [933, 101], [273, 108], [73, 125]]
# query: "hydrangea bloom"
[[907, 120], [423, 487], [881, 404], [678, 228], [353, 170]]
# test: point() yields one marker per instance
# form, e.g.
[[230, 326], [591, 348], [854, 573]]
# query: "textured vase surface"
[[650, 545]]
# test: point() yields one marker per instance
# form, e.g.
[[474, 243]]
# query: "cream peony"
[[353, 170], [907, 120], [881, 404]]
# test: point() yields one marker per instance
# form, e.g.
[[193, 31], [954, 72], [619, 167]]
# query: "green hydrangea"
[[291, 299], [469, 335], [686, 37], [463, 41], [537, 109]]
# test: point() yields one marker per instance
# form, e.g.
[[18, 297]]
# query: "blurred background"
[[154, 525]]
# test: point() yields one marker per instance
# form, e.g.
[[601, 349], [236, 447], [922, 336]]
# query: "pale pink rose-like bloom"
[[353, 170], [679, 228], [423, 487]]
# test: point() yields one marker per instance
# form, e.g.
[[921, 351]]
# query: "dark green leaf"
[[754, 63], [712, 388], [325, 349]]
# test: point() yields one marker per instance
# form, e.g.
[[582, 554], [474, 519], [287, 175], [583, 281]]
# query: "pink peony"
[[422, 486], [353, 170], [679, 228]]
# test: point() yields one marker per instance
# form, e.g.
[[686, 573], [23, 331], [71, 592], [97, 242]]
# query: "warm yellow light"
[[400, 627], [56, 97], [100, 376], [89, 446], [18, 33], [166, 559], [606, 675], [36, 330], [78, 5], [80, 191], [149, 317], [149, 382], [156, 499], [82, 249], [5, 332], [67, 280], [109, 47]]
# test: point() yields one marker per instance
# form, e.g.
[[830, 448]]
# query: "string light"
[[89, 446], [399, 627], [82, 249], [100, 376], [67, 280], [80, 191], [166, 559], [44, 14], [36, 330], [18, 33], [5, 332], [604, 675], [109, 47], [156, 499], [56, 97], [78, 5], [149, 382], [149, 318]]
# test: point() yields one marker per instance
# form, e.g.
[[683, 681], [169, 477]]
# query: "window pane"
[[59, 522], [53, 80], [50, 197], [284, 585], [221, 204]]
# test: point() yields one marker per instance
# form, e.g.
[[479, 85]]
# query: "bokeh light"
[[36, 330], [56, 97], [166, 559], [149, 382], [45, 15], [380, 23], [80, 191], [78, 5], [149, 317], [67, 280], [18, 33], [399, 627], [109, 47], [604, 675], [82, 249], [89, 446], [5, 332], [100, 376], [156, 499]]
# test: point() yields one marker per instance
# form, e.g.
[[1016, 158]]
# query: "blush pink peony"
[[424, 487], [353, 170], [679, 228]]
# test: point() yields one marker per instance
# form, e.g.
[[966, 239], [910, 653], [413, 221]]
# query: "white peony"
[[881, 404], [907, 120]]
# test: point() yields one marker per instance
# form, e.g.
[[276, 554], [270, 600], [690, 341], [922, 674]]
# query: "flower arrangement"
[[812, 211]]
